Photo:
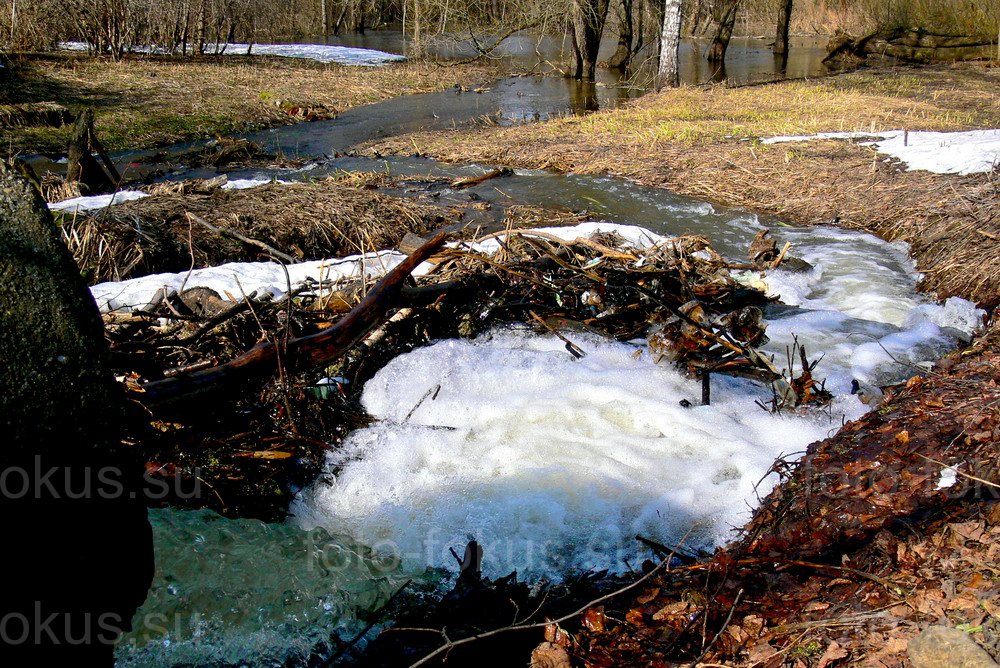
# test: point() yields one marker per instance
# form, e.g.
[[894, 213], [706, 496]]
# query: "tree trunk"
[[418, 48], [668, 73], [781, 38], [202, 27], [622, 57], [725, 15], [82, 167], [589, 17], [326, 22]]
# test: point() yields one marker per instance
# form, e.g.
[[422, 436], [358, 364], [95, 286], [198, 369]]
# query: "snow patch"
[[92, 202], [324, 53], [963, 153], [236, 279], [246, 184], [949, 476]]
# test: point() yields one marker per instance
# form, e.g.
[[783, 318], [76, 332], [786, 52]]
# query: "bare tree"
[[589, 17], [784, 18], [724, 13], [668, 72], [622, 57]]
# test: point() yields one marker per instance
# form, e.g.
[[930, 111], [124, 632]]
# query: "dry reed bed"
[[677, 140], [328, 218]]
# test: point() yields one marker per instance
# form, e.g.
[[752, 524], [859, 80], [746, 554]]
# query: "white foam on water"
[[552, 463], [859, 308]]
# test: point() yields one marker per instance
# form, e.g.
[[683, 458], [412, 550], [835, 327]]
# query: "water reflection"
[[747, 60]]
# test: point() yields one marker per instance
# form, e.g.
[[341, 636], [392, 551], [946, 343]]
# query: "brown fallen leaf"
[[594, 619], [550, 655], [834, 652]]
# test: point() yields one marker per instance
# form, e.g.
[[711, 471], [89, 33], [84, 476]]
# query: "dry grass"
[[328, 218], [145, 101], [688, 141]]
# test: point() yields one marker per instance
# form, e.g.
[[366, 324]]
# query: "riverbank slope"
[[146, 101]]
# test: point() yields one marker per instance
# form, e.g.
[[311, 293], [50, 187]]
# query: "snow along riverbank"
[[963, 153]]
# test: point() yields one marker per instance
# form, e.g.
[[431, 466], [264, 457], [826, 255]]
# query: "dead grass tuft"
[[307, 221]]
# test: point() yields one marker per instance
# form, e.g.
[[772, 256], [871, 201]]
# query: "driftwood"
[[913, 44], [476, 180], [296, 354], [83, 168]]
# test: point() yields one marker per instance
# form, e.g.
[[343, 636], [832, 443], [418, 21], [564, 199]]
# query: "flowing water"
[[553, 464]]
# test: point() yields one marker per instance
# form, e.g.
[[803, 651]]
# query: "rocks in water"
[[78, 547], [943, 647]]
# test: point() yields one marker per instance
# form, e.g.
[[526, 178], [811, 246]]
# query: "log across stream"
[[552, 461]]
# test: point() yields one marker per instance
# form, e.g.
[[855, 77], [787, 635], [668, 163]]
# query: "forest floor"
[[149, 101], [867, 542]]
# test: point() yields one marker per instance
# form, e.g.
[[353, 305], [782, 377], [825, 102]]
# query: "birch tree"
[[668, 72]]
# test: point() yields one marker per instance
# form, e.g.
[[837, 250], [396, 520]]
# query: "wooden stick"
[[476, 180]]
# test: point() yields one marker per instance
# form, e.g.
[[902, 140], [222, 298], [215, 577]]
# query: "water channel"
[[552, 463]]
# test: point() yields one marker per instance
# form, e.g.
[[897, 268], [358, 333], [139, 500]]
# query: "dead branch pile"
[[163, 233], [263, 358]]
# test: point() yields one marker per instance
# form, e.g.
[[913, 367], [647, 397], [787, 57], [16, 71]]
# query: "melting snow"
[[963, 153], [96, 201], [324, 53]]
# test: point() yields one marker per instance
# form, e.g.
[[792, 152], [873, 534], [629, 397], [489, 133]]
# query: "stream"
[[553, 464]]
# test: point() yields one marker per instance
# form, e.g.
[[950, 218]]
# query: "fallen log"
[[913, 44], [476, 180], [296, 354]]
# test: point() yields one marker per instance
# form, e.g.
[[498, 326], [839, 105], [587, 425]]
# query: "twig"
[[236, 235], [451, 644], [718, 635]]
